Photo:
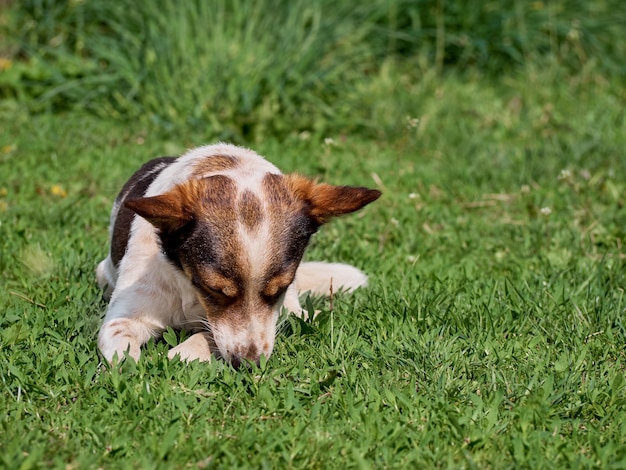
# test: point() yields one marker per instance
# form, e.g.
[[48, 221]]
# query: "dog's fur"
[[216, 250]]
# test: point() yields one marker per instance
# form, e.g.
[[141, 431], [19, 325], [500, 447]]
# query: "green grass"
[[231, 67], [492, 334]]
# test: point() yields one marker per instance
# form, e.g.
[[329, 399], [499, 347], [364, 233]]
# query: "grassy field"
[[492, 334]]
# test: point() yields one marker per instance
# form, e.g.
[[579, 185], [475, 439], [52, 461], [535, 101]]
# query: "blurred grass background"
[[244, 70]]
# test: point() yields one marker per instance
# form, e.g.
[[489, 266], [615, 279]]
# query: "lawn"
[[492, 334]]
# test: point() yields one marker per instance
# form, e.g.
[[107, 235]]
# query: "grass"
[[492, 334], [231, 67]]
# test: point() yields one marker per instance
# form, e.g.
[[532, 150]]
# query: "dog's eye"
[[272, 295], [216, 296], [221, 291], [215, 293]]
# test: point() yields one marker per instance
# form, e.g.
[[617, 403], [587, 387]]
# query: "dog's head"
[[240, 245]]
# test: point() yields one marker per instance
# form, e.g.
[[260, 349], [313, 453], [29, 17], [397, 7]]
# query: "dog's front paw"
[[195, 347], [122, 336]]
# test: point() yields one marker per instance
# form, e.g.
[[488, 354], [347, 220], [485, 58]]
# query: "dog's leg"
[[120, 335], [133, 317], [319, 278], [106, 275], [292, 303], [194, 347]]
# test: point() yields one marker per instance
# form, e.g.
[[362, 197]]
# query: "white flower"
[[565, 175], [411, 122], [546, 211]]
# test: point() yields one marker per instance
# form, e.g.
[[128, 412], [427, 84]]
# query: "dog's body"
[[216, 250]]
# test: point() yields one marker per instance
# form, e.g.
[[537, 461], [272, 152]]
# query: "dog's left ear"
[[327, 201]]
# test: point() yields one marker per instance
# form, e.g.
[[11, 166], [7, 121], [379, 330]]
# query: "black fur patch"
[[134, 188]]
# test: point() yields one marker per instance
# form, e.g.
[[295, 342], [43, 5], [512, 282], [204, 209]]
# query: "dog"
[[211, 242]]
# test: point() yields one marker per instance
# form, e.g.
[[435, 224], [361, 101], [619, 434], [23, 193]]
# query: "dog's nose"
[[238, 360], [246, 354], [235, 361]]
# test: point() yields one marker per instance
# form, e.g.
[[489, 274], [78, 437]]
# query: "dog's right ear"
[[167, 212]]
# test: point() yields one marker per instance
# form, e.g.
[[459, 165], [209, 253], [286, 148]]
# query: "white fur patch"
[[318, 278]]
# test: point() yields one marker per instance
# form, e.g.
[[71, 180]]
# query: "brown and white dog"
[[216, 251]]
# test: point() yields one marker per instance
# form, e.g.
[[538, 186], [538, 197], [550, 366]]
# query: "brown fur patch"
[[250, 210], [214, 196], [217, 209], [210, 197], [278, 193], [215, 164]]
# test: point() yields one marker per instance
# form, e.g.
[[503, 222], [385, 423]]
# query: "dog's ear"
[[327, 201], [167, 212]]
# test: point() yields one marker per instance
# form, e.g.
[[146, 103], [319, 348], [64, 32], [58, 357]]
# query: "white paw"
[[194, 347], [122, 336]]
